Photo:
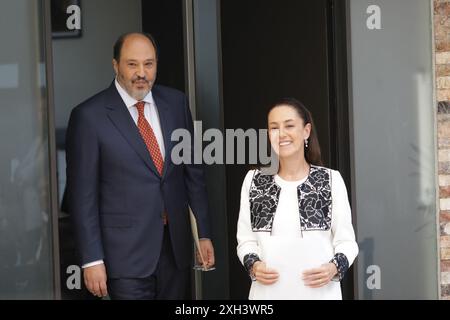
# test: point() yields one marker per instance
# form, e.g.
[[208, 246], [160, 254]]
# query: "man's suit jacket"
[[115, 194]]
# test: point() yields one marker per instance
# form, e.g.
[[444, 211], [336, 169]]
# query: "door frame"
[[51, 127], [341, 141]]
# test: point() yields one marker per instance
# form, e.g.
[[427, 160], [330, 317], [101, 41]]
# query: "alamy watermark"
[[373, 281], [73, 22], [232, 144], [73, 281]]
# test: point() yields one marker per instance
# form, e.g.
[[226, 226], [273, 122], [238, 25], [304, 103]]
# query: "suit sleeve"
[[82, 154], [195, 183]]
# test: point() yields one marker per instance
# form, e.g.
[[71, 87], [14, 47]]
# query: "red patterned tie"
[[149, 138]]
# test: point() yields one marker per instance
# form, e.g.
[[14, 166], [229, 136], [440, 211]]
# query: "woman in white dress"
[[295, 235]]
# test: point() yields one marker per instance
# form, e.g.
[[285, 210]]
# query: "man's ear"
[[115, 66]]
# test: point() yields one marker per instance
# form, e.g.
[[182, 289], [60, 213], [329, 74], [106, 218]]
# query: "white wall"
[[82, 66]]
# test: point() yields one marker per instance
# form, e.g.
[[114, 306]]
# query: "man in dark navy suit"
[[128, 200]]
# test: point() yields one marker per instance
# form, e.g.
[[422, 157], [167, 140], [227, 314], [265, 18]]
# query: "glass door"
[[26, 242], [393, 148]]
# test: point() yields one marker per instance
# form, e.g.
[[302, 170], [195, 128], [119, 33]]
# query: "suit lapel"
[[120, 116]]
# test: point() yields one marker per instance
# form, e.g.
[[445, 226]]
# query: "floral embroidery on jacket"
[[314, 200], [264, 196], [341, 263]]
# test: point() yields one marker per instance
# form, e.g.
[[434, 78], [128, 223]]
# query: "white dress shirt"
[[151, 115]]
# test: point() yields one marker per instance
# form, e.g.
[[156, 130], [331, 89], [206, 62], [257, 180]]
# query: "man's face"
[[136, 68]]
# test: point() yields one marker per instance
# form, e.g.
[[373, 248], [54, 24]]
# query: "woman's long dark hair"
[[312, 153]]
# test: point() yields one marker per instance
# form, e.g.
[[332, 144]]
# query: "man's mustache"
[[140, 79]]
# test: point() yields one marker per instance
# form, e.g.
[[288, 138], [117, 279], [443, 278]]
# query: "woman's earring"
[[306, 143]]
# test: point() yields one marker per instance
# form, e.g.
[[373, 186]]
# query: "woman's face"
[[287, 132]]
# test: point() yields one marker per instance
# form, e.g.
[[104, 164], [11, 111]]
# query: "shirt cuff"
[[91, 264], [249, 261], [342, 265]]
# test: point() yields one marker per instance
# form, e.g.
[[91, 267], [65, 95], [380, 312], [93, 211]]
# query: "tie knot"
[[140, 107]]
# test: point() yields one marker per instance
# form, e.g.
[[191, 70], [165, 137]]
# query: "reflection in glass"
[[394, 150], [25, 224]]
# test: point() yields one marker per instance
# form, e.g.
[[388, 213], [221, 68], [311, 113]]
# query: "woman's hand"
[[318, 277], [263, 274]]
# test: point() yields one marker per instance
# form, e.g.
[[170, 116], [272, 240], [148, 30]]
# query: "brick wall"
[[442, 38], [444, 195]]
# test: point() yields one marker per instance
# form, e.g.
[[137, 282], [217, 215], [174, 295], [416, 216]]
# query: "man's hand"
[[318, 277], [263, 274], [207, 250], [95, 280]]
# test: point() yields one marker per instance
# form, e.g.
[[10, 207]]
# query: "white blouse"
[[287, 220], [312, 248]]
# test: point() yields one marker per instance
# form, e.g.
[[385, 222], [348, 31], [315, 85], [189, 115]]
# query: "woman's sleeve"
[[247, 244], [344, 243]]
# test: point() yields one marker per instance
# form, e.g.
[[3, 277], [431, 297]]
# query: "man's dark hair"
[[119, 43]]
